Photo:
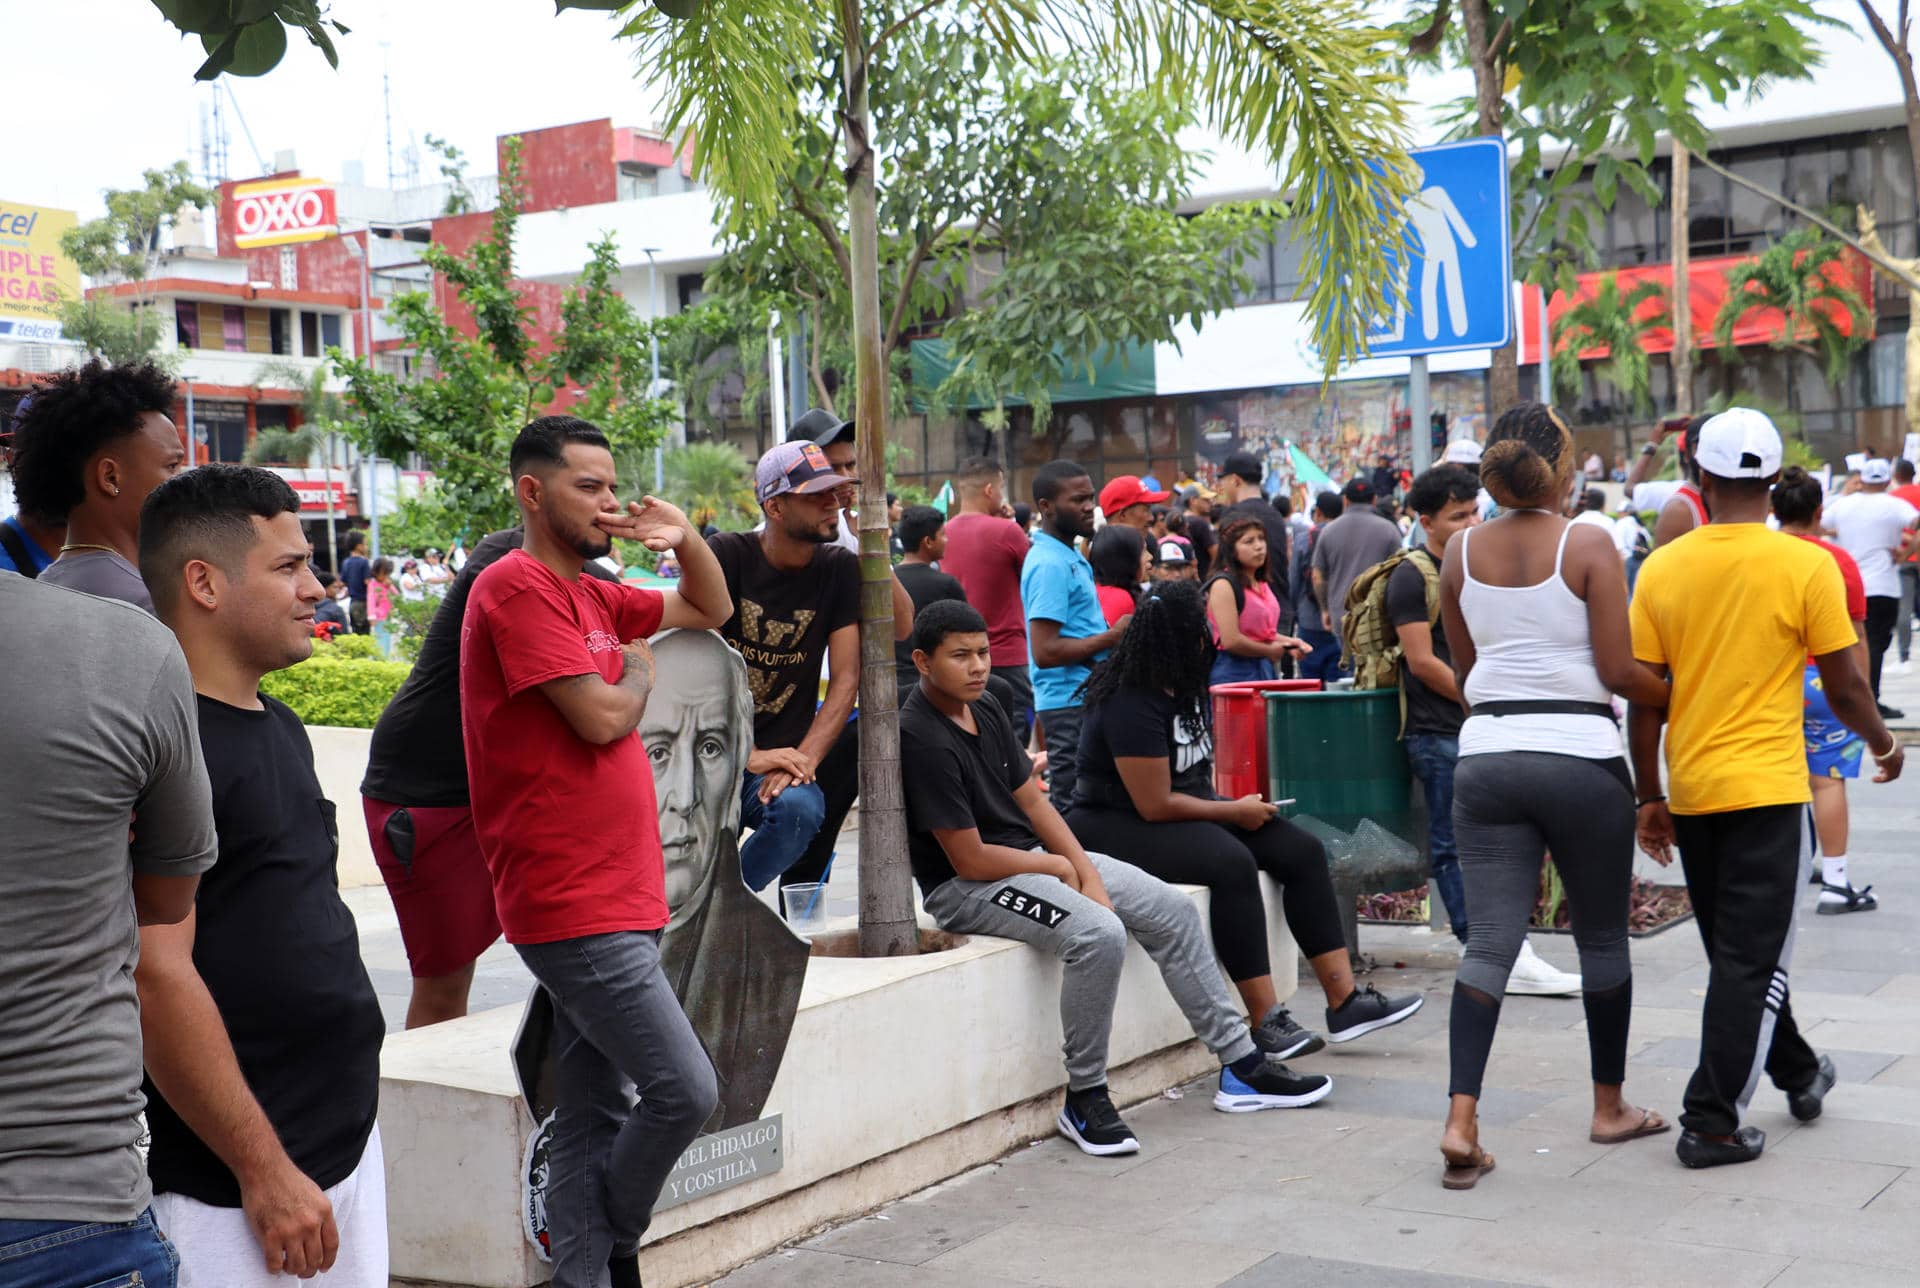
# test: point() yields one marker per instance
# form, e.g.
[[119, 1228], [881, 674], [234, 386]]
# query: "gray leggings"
[[1510, 809]]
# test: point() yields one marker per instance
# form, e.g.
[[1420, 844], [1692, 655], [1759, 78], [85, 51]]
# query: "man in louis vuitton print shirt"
[[796, 601]]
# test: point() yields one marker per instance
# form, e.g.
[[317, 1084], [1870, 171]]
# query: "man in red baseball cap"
[[1125, 500]]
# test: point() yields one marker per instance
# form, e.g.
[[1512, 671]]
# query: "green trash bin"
[[1338, 755]]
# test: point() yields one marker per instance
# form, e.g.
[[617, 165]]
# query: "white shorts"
[[217, 1248]]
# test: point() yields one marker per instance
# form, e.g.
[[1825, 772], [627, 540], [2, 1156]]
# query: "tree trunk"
[[1503, 378], [887, 926], [1682, 289]]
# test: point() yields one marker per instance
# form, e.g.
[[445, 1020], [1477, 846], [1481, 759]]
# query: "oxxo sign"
[[278, 212]]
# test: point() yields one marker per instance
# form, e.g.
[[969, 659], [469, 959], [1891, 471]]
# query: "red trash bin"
[[1240, 733]]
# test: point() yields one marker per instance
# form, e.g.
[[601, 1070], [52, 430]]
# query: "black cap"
[[821, 427], [1245, 465], [1358, 490]]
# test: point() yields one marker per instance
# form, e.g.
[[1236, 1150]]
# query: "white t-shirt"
[[1596, 519], [1654, 496], [1869, 526]]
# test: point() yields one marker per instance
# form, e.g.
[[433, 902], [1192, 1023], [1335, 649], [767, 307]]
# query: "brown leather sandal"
[[1465, 1175], [1650, 1124]]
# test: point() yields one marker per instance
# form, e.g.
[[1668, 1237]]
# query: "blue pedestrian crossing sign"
[[1456, 262]]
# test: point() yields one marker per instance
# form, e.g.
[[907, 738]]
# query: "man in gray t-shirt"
[[99, 572], [101, 738], [1347, 547]]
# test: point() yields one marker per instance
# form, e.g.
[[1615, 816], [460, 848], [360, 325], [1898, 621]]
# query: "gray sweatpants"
[[1092, 943], [617, 1028]]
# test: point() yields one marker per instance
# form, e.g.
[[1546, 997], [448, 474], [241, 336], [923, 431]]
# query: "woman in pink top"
[[380, 592], [1242, 608]]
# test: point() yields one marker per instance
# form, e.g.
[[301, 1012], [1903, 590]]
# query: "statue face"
[[697, 752]]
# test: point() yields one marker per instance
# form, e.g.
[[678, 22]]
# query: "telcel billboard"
[[36, 277], [280, 212]]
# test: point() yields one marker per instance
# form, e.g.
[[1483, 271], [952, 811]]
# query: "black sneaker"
[[1369, 1009], [1271, 1086], [1804, 1104], [1089, 1120], [1835, 900], [1891, 713], [623, 1270], [1698, 1151], [1280, 1037]]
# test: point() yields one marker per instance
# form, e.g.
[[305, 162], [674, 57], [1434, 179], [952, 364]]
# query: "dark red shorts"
[[431, 862]]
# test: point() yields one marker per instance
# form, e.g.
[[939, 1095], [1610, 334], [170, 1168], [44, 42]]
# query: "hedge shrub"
[[344, 683]]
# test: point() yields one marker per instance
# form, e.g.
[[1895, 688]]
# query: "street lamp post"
[[372, 472], [653, 346]]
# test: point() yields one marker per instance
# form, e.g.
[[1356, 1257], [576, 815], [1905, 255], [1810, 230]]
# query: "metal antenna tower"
[[386, 95]]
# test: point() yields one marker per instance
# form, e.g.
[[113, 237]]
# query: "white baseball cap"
[[1462, 451], [1876, 471], [1739, 443]]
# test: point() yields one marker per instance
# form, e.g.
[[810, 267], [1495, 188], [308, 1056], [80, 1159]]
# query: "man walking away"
[[1878, 530], [262, 1028], [1066, 630], [98, 744], [1731, 614], [555, 673], [1347, 547], [985, 550]]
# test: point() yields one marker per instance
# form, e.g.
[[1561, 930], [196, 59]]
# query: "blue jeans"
[[90, 1254], [1229, 668], [1432, 757], [783, 828], [1323, 663]]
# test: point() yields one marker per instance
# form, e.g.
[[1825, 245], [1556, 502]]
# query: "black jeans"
[[1744, 871], [1882, 612], [1228, 861]]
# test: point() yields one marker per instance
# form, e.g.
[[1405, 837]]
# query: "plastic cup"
[[806, 906]]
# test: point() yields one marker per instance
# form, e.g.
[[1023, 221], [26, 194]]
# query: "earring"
[[116, 492]]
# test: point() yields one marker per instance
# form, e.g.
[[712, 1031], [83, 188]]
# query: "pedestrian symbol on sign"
[[1454, 265]]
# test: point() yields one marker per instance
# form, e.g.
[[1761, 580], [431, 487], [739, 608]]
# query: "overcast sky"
[[102, 89]]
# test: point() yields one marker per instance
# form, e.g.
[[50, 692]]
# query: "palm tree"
[[277, 446], [712, 483], [1306, 82], [1618, 322], [1796, 276]]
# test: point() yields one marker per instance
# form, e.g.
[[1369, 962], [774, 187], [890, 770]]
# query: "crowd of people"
[[1057, 767]]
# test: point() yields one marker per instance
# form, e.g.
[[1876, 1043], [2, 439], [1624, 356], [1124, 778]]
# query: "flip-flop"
[[1464, 1176], [1650, 1124]]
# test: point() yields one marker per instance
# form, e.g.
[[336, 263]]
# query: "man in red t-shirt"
[[985, 550], [554, 677]]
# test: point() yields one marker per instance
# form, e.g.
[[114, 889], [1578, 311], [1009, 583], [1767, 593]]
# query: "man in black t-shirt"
[[418, 817], [994, 857], [261, 1028], [922, 534], [796, 604]]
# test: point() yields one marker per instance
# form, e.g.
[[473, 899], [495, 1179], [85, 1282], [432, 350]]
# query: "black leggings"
[[1509, 810], [1228, 861]]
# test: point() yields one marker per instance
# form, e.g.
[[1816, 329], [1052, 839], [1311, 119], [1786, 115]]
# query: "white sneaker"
[[1534, 976], [1900, 667]]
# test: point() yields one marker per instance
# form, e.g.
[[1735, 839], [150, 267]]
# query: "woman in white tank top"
[[1535, 610]]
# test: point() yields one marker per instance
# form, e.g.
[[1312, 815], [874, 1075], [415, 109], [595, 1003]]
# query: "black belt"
[[1545, 708]]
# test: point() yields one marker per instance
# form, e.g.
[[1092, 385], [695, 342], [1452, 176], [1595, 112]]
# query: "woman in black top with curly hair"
[[1145, 795]]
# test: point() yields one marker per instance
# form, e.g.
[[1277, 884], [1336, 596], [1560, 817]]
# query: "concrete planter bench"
[[899, 1072]]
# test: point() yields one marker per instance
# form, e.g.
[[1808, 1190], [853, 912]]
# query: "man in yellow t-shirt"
[[1731, 611]]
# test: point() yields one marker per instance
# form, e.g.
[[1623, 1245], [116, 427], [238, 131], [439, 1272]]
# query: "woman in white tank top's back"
[[1535, 611]]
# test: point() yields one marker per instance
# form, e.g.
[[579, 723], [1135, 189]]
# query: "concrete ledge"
[[900, 1072]]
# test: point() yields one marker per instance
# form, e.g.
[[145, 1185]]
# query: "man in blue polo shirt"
[[1066, 631]]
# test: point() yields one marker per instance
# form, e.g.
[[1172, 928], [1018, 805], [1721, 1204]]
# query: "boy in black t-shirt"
[[994, 857]]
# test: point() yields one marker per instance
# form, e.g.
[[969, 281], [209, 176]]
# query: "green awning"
[[1128, 373]]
